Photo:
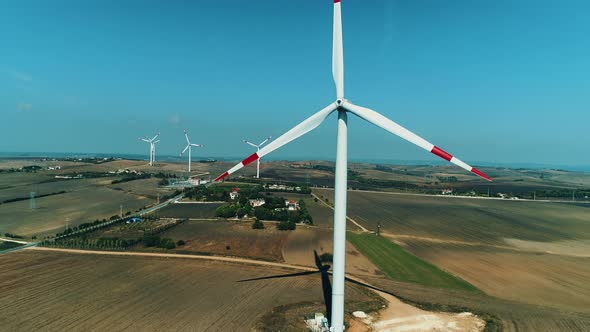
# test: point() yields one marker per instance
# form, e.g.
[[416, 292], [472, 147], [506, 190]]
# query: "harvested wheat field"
[[54, 291], [545, 279]]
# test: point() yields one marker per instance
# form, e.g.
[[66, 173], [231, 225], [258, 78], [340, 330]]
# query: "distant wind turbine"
[[258, 149], [189, 147], [152, 143], [342, 106]]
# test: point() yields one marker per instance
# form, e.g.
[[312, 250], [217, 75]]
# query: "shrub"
[[151, 240], [286, 226], [258, 224], [167, 243], [180, 243]]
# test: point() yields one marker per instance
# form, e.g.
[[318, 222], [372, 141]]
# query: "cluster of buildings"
[[188, 183], [290, 205]]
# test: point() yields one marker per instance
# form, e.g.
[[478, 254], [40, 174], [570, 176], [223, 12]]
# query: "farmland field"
[[552, 280], [52, 212], [530, 252], [229, 239], [59, 291], [399, 265], [463, 219], [189, 210]]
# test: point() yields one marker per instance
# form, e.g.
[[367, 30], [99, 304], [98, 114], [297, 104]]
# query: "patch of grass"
[[400, 265]]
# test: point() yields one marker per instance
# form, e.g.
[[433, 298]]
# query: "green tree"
[[286, 226], [257, 224]]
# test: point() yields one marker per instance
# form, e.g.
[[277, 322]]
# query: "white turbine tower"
[[152, 143], [189, 147], [257, 149], [343, 107]]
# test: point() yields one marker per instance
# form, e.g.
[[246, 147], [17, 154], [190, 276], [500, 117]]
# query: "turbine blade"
[[158, 134], [250, 143], [337, 56], [394, 128], [186, 136], [301, 129], [155, 142], [281, 276], [183, 151], [266, 140], [197, 145], [145, 140]]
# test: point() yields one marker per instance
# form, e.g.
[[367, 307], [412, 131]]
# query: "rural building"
[[447, 191], [235, 193], [291, 205], [257, 202]]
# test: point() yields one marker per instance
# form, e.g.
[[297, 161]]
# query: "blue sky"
[[494, 81]]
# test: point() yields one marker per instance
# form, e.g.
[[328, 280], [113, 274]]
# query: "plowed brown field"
[[52, 291]]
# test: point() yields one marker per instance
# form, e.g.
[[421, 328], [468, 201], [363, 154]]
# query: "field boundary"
[[361, 227], [456, 196]]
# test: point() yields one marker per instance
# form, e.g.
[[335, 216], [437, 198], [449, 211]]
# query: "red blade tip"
[[480, 173]]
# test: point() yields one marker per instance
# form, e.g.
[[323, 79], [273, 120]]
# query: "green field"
[[400, 265], [189, 210]]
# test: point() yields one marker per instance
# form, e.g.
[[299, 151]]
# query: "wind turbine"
[[257, 149], [152, 143], [343, 107], [189, 147]]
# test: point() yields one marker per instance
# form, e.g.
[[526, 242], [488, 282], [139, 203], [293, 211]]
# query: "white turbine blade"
[[183, 151], [337, 56], [266, 140], [250, 143], [158, 134], [197, 145], [186, 136], [145, 139], [155, 142], [301, 129], [394, 128]]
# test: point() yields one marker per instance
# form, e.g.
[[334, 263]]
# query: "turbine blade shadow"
[[281, 276]]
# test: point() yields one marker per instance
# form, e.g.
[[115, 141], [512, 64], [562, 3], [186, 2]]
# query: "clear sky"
[[493, 81]]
